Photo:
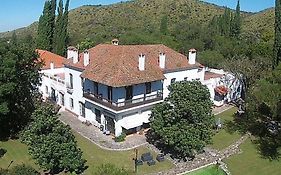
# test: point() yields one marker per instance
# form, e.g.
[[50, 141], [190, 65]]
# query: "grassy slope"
[[251, 163], [211, 170], [223, 138]]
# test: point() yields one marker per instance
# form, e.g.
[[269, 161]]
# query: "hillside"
[[117, 19], [262, 22], [102, 23]]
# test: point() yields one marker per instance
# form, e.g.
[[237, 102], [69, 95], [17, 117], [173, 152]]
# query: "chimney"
[[162, 60], [86, 58], [192, 56], [141, 62], [52, 65], [115, 42], [72, 53]]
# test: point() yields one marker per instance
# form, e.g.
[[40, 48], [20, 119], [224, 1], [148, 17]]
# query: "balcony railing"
[[57, 79], [117, 106], [69, 87]]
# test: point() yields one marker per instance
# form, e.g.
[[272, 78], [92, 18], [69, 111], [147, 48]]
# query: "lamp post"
[[136, 159]]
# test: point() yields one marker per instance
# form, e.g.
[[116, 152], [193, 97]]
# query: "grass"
[[250, 162], [224, 137], [16, 152], [94, 155], [210, 170]]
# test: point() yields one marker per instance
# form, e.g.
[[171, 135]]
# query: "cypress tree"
[[277, 41], [236, 22], [58, 38], [45, 31]]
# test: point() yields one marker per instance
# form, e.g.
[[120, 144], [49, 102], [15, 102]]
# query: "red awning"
[[222, 90]]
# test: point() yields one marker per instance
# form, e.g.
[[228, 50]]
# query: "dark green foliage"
[[210, 58], [264, 110], [277, 41], [182, 124], [45, 31], [2, 152], [61, 35], [19, 78], [120, 138], [111, 169], [23, 170], [51, 143], [236, 22]]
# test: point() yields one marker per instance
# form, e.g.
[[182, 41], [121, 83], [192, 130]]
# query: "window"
[[98, 115], [109, 93], [82, 109], [129, 92], [96, 88], [82, 83], [71, 80], [71, 103], [185, 79], [147, 88], [173, 80], [46, 89], [62, 98]]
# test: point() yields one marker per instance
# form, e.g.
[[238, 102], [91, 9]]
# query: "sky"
[[20, 13]]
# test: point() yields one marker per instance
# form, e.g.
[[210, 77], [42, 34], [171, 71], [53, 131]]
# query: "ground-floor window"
[[98, 116], [71, 103], [82, 109], [62, 99], [46, 89]]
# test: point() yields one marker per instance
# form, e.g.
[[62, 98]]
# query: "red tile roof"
[[48, 57], [209, 75], [222, 90], [117, 66]]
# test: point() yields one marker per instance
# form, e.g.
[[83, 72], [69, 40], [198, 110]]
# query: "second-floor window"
[[147, 88], [109, 93], [129, 92], [96, 88], [71, 80], [173, 80]]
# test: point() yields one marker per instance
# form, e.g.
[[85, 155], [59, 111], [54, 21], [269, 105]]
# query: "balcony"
[[118, 106], [54, 78]]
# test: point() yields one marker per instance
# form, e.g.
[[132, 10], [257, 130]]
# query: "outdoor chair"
[[146, 157], [160, 157], [151, 162]]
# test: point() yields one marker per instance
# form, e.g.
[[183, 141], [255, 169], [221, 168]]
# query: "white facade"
[[122, 109]]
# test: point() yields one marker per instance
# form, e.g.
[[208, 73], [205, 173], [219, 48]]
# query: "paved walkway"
[[93, 134]]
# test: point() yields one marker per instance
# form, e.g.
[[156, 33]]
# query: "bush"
[[120, 138], [2, 152], [19, 170]]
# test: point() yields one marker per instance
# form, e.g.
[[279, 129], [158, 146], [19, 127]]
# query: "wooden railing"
[[124, 104]]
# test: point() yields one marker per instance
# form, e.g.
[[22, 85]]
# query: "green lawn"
[[224, 138], [210, 170], [94, 155], [16, 152], [251, 163]]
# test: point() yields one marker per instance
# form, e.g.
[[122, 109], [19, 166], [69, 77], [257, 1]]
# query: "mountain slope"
[[114, 20]]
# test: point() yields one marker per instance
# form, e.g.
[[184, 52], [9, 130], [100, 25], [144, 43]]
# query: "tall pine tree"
[[61, 34], [236, 22], [45, 31], [277, 42]]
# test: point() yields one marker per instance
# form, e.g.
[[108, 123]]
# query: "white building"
[[115, 86]]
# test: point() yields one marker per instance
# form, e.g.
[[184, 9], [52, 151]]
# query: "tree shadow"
[[268, 148]]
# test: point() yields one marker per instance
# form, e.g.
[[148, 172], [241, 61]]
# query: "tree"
[[51, 143], [61, 35], [264, 109], [19, 79], [45, 31], [183, 123], [277, 40], [236, 22]]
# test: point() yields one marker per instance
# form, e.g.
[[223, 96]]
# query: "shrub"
[[2, 152], [120, 138]]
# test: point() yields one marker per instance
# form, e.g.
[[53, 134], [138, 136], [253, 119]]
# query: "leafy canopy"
[[183, 122]]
